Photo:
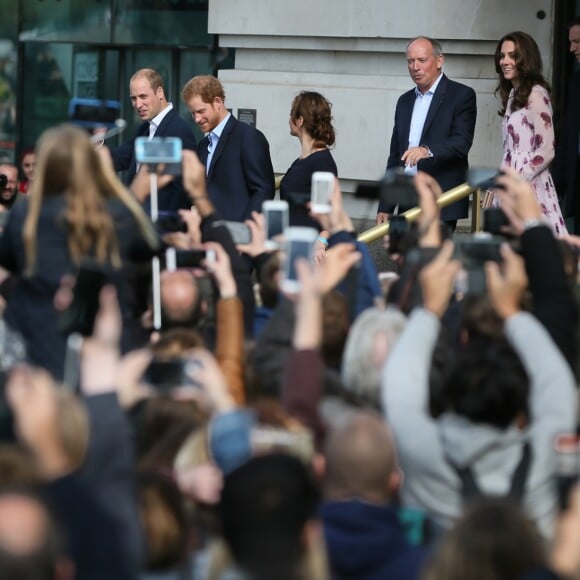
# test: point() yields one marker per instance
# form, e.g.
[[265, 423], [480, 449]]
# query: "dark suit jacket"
[[565, 165], [448, 132], [241, 176], [173, 196]]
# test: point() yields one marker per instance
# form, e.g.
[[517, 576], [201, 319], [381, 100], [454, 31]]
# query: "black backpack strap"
[[470, 489], [520, 476]]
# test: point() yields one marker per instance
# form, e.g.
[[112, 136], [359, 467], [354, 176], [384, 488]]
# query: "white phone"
[[276, 218], [298, 243], [321, 189]]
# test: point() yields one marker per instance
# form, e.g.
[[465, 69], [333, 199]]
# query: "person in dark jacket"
[[364, 537]]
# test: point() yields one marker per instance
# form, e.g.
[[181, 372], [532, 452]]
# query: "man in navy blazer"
[[160, 119], [239, 169], [434, 126]]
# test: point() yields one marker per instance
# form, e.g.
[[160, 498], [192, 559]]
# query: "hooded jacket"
[[424, 443], [366, 542]]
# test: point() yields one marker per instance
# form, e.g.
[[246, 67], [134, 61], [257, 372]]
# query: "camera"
[[474, 253], [169, 222], [166, 375], [483, 177], [3, 181], [175, 259], [395, 189], [94, 113]]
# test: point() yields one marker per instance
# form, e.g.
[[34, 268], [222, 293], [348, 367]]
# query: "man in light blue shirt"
[[434, 126]]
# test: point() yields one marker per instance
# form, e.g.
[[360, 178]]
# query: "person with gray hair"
[[369, 342]]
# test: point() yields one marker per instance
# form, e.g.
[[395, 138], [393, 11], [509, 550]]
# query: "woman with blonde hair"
[[77, 209]]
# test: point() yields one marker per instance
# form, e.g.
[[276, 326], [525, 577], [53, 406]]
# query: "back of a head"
[[65, 160], [369, 342], [486, 384], [493, 540], [360, 460], [264, 507], [31, 546], [316, 112]]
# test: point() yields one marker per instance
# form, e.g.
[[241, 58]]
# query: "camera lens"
[[3, 180]]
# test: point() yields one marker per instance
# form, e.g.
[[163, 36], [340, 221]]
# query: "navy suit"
[[240, 176], [173, 196], [448, 132]]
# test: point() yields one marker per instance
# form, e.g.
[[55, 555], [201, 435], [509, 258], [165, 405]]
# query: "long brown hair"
[[67, 164], [529, 66]]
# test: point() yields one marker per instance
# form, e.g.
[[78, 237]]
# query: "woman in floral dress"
[[527, 127]]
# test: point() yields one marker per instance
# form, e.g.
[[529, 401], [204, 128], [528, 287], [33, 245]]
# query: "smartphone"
[[322, 186], [478, 250], [474, 253], [170, 221], [397, 189], [80, 316], [175, 259], [298, 243], [398, 229], [483, 177], [158, 150], [94, 113], [276, 218], [494, 219], [240, 232], [166, 375]]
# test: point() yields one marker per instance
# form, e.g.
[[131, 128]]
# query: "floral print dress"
[[528, 146]]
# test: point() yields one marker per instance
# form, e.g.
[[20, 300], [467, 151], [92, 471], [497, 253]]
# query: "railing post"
[[476, 211]]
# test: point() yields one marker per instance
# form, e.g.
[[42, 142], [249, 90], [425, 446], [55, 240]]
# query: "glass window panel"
[[192, 63], [172, 22], [8, 79], [66, 20], [47, 87]]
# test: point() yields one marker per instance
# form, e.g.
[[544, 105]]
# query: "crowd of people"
[[180, 416]]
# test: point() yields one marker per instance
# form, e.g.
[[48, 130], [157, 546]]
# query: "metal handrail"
[[447, 198]]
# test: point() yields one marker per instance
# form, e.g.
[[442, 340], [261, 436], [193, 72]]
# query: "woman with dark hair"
[[527, 127], [76, 209], [27, 163], [310, 121]]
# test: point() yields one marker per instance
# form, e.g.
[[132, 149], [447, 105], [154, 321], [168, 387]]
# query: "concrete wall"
[[352, 51]]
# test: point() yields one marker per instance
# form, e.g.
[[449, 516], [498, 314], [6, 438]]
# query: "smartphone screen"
[[275, 223], [298, 244], [158, 150], [166, 375], [322, 187], [93, 113]]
